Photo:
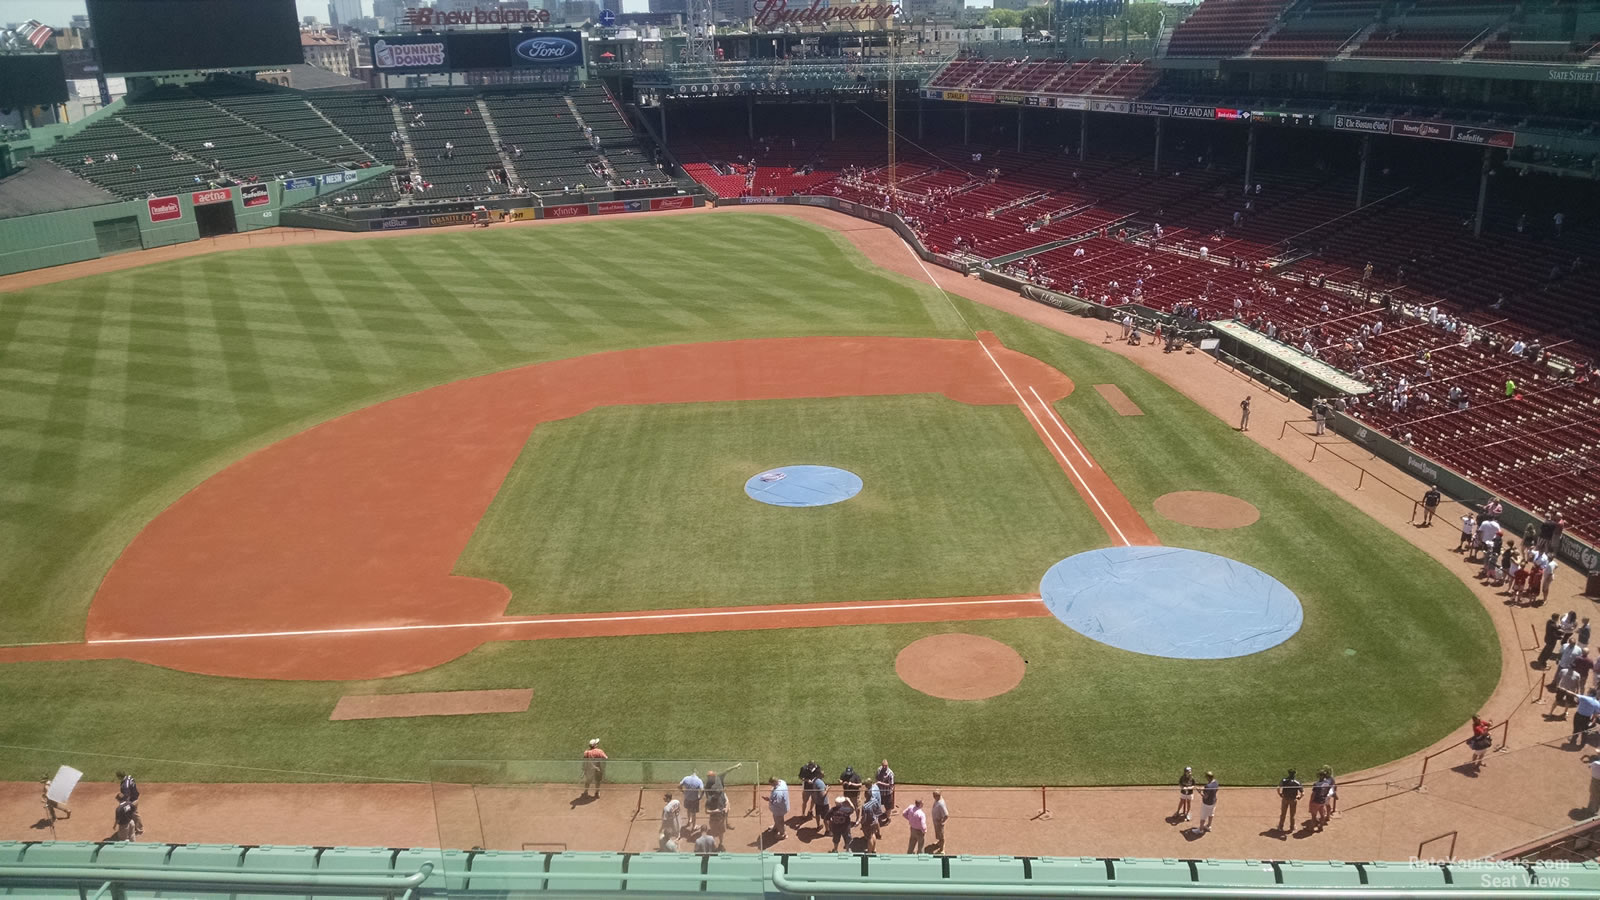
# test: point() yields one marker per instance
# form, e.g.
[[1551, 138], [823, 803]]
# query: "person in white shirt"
[[671, 824], [1547, 563], [778, 805]]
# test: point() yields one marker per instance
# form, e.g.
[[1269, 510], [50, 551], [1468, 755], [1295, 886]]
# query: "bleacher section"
[[462, 169], [1047, 76], [617, 139], [143, 166], [1223, 27], [1408, 42], [555, 154]]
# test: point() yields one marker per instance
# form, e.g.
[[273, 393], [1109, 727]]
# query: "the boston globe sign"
[[476, 50]]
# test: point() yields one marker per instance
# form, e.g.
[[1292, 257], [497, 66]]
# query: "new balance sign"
[[164, 209], [216, 195]]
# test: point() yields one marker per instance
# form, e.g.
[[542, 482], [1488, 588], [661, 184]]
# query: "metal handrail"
[[230, 877]]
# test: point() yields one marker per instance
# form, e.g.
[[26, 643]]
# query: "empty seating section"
[[555, 154], [289, 116], [367, 118], [1047, 76], [617, 140], [1409, 42], [241, 150], [1506, 48], [453, 149], [1223, 27], [1308, 43], [143, 166]]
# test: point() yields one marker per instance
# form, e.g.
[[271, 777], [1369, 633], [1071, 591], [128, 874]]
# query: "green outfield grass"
[[119, 392], [643, 507]]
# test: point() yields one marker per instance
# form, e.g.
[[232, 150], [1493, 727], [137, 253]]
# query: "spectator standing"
[[808, 772], [871, 820], [918, 820], [705, 843], [1244, 414], [851, 783], [716, 796], [594, 767], [940, 815], [124, 822], [1288, 801], [692, 787], [1547, 570], [1321, 794], [778, 804], [1430, 505], [671, 824], [1584, 632], [1208, 803], [1481, 740], [1319, 412], [886, 786], [1185, 793], [1583, 718], [1594, 783], [840, 817], [128, 792]]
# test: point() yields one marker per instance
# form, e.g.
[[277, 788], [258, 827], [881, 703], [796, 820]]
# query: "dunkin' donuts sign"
[[820, 12], [407, 55], [164, 209]]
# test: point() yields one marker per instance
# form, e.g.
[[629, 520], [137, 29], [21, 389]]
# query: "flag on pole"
[[35, 33]]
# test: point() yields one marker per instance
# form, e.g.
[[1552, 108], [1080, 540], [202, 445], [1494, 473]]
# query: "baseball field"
[[239, 487]]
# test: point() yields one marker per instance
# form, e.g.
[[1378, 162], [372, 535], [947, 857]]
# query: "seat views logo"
[[547, 50]]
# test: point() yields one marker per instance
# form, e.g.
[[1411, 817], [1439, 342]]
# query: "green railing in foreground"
[[432, 873]]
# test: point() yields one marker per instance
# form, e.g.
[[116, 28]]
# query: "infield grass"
[[119, 392]]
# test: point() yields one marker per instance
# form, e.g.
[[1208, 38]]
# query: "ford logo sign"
[[547, 50]]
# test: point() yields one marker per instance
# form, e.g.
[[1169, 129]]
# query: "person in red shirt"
[[1481, 740], [594, 767]]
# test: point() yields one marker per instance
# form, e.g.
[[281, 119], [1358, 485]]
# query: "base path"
[[328, 555]]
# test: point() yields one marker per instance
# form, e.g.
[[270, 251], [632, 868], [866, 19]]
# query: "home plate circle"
[[803, 486]]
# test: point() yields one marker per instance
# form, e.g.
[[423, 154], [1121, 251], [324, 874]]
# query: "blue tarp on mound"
[[1167, 601], [803, 486]]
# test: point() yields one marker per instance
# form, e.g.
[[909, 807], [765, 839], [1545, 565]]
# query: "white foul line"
[[1054, 417], [512, 623]]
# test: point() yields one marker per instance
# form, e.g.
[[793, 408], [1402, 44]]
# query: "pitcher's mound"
[[1203, 509], [959, 666]]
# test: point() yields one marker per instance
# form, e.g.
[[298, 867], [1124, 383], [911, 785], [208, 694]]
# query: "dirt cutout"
[[1203, 509], [432, 703], [960, 666], [1118, 400]]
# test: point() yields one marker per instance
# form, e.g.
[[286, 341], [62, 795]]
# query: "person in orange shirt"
[[594, 767]]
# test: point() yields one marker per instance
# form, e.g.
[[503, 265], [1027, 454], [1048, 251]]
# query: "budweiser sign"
[[427, 17], [164, 209], [778, 12]]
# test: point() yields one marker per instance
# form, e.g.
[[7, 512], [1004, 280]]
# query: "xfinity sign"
[[548, 50]]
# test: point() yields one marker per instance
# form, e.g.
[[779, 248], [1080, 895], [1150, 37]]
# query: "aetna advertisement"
[[550, 48]]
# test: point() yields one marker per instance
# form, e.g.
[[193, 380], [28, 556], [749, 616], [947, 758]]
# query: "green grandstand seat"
[[147, 856], [1388, 875], [645, 865], [1234, 873], [740, 873], [63, 853], [1068, 870], [586, 864], [1299, 873], [205, 856], [1152, 871], [911, 869], [450, 867]]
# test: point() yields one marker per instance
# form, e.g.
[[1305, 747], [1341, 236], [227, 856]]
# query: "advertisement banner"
[[977, 97], [610, 207], [215, 195], [255, 195], [461, 218], [1484, 137], [568, 211], [845, 206], [525, 213], [1116, 106], [1232, 115], [1433, 131], [1009, 99], [299, 184], [164, 209], [1366, 124], [409, 53], [955, 95], [672, 203], [547, 49], [1072, 103], [1152, 109], [1036, 101], [1194, 112], [393, 223], [338, 177]]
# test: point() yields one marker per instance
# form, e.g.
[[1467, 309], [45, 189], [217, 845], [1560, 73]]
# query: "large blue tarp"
[[803, 486], [1167, 601]]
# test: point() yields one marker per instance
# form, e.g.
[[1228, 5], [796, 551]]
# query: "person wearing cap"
[[594, 767], [778, 804], [671, 822], [872, 819], [1321, 794], [1185, 793], [1208, 803], [808, 773], [850, 783], [840, 817], [1430, 505]]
